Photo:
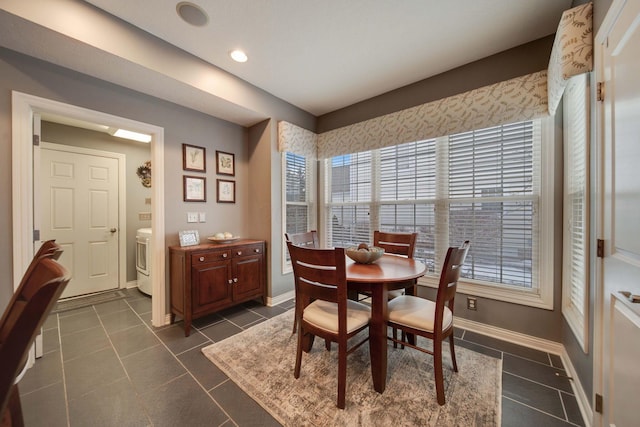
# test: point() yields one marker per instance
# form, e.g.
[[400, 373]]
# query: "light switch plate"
[[144, 216], [202, 216], [192, 216]]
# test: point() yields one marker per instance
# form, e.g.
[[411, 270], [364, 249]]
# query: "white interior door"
[[620, 320], [79, 202]]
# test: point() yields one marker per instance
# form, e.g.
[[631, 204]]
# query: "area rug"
[[261, 361]]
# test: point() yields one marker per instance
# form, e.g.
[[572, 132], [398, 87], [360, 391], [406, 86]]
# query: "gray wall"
[[135, 154], [181, 125]]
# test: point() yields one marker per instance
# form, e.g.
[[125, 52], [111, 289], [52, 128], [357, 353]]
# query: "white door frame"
[[24, 107], [122, 199]]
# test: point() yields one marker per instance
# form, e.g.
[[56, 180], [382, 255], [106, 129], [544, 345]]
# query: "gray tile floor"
[[104, 365]]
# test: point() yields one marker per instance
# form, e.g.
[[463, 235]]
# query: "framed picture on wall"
[[226, 191], [225, 163], [195, 188], [194, 158]]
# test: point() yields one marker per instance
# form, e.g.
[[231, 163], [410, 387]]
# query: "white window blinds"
[[482, 186], [575, 219]]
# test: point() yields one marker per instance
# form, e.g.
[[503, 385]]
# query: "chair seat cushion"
[[417, 313], [395, 293], [324, 315]]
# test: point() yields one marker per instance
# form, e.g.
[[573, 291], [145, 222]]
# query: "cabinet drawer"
[[205, 257], [247, 250]]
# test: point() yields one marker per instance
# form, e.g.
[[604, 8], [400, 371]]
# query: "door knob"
[[113, 230]]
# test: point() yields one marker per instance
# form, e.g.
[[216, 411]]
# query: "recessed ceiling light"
[[192, 14], [238, 55]]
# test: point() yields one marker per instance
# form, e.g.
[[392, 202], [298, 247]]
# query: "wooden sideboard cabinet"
[[210, 277]]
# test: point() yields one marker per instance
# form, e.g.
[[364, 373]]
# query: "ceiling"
[[325, 55]]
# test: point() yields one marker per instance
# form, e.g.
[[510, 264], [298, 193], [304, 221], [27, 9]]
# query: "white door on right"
[[620, 224]]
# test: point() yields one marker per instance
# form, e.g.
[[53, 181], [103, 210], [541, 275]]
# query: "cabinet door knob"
[[230, 281], [235, 280], [201, 258], [257, 250], [224, 255], [239, 253]]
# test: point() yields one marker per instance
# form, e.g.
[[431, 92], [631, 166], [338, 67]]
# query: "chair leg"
[[395, 337], [327, 344], [453, 353], [296, 370], [342, 373], [437, 367], [12, 416]]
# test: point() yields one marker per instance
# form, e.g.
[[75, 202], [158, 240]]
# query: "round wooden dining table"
[[377, 279]]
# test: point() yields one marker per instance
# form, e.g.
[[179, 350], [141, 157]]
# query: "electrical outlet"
[[192, 216], [472, 304], [144, 216], [147, 200]]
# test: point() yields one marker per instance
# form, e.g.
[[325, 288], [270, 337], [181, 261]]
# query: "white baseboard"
[[281, 298], [510, 336], [584, 402], [132, 284]]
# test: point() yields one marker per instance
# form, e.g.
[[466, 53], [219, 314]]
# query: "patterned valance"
[[297, 140], [572, 52], [523, 98], [518, 99]]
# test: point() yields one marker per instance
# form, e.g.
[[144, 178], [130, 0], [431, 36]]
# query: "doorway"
[[24, 108]]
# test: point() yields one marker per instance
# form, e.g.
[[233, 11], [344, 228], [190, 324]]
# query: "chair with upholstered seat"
[[321, 291], [397, 244], [432, 320], [40, 288], [307, 239]]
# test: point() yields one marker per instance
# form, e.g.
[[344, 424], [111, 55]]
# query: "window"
[[299, 184], [575, 238], [486, 186]]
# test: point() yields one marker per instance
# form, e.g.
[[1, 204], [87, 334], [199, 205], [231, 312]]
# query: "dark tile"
[[113, 405], [262, 319], [458, 333], [536, 371], [76, 311], [242, 409], [151, 368], [132, 340], [182, 402], [114, 322], [81, 321], [51, 322], [221, 330], [174, 338], [532, 394], [46, 371], [45, 407], [93, 371], [507, 347], [208, 320], [243, 318], [287, 305], [140, 305], [111, 307], [515, 414], [50, 340], [267, 311], [556, 361], [479, 348], [83, 343], [134, 293], [204, 371], [573, 410]]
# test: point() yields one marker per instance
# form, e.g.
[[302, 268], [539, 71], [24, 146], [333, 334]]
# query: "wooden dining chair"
[[403, 244], [42, 285], [321, 289], [307, 239], [432, 320]]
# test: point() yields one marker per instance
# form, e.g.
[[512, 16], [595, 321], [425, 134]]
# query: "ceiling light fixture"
[[238, 55], [192, 14], [127, 134]]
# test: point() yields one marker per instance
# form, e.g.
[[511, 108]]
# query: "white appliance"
[[144, 254]]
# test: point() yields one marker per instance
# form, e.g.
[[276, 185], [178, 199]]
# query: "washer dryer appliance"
[[144, 251]]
